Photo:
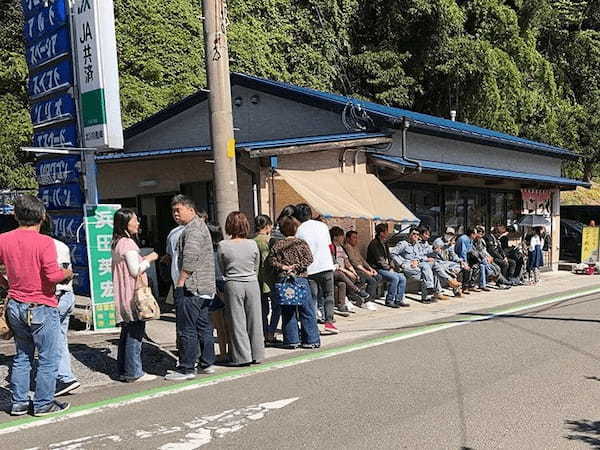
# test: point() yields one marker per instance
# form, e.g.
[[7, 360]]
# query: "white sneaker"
[[350, 306], [371, 306], [145, 377]]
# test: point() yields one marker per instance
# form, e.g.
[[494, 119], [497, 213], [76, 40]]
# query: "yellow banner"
[[590, 244]]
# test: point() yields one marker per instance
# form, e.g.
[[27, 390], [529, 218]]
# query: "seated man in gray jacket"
[[447, 263], [408, 255]]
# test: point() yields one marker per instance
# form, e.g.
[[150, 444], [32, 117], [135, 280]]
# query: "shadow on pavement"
[[527, 316], [95, 359], [589, 432], [103, 360]]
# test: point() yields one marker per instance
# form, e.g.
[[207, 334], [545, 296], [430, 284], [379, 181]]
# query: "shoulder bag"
[[289, 292], [5, 331], [145, 304]]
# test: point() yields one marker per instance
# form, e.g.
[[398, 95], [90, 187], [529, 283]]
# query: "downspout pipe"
[[254, 181], [405, 126]]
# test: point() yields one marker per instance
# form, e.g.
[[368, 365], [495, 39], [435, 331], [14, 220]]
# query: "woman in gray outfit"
[[239, 259]]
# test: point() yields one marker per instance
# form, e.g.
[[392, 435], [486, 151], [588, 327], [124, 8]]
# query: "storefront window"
[[427, 208], [513, 207], [497, 208], [404, 195], [424, 202], [476, 207], [454, 215]]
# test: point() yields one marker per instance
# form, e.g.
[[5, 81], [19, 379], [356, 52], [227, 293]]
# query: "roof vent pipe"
[[405, 126]]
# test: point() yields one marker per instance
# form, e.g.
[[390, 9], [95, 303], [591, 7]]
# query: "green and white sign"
[[98, 231], [95, 55]]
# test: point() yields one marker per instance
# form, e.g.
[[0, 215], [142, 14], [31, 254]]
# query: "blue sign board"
[[81, 283], [78, 254], [63, 136], [30, 7], [54, 109], [61, 197], [68, 229], [46, 20], [66, 169], [48, 48], [52, 79]]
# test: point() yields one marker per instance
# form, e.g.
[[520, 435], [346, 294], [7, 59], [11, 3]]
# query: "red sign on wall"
[[536, 201]]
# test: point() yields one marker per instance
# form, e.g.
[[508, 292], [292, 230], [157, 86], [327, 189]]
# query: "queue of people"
[[296, 271]]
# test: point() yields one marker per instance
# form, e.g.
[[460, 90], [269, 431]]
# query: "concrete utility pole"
[[219, 103]]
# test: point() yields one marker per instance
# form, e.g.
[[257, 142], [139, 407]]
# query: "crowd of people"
[[295, 274]]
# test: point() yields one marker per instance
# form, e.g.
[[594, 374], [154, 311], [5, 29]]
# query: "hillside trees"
[[526, 67]]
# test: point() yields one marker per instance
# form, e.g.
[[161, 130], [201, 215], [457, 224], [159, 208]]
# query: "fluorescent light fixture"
[[148, 183]]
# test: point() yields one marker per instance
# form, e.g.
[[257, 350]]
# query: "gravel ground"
[[94, 364]]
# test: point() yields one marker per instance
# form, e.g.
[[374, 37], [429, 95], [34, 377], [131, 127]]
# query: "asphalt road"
[[530, 380]]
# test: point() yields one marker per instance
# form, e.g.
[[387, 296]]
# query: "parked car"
[[571, 232]]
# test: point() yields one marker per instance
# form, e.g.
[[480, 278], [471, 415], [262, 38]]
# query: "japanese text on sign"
[[99, 228]]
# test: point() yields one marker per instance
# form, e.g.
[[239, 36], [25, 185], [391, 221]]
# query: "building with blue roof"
[[289, 139]]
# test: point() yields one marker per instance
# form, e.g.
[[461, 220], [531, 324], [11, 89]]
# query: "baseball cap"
[[450, 230]]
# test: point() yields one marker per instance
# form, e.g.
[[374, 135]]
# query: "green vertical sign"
[[98, 232]]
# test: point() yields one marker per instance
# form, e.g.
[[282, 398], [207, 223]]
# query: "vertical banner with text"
[[98, 73], [590, 245], [99, 230]]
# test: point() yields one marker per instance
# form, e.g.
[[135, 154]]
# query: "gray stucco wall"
[[432, 148], [271, 118]]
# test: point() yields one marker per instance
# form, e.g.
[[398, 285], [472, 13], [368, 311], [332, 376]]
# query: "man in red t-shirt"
[[33, 272]]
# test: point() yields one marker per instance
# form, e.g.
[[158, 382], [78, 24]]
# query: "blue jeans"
[[396, 285], [35, 328], [484, 270], [321, 285], [270, 326], [129, 355], [308, 320], [66, 303], [194, 327]]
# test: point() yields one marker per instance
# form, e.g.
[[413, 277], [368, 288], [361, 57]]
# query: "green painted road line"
[[315, 355]]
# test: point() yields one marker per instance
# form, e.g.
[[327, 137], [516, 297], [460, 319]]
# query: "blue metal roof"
[[421, 122], [484, 171], [241, 145]]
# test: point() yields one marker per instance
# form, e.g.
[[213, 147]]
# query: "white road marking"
[[82, 443], [198, 432], [284, 364]]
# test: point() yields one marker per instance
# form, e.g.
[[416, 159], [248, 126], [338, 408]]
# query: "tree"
[[15, 126]]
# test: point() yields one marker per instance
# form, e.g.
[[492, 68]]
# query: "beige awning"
[[352, 195]]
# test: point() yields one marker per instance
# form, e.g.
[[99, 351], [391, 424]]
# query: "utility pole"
[[219, 104]]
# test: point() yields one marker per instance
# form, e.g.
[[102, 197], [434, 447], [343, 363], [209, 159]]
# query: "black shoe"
[[403, 304], [51, 408], [363, 294], [340, 312], [503, 286], [63, 388], [311, 346], [290, 346], [19, 410], [392, 305]]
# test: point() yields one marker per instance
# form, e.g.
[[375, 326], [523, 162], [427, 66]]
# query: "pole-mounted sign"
[[98, 74]]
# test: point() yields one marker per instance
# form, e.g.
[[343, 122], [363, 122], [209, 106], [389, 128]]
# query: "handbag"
[[5, 331], [289, 292], [145, 304]]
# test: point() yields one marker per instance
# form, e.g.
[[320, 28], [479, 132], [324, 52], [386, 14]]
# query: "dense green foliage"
[[526, 67]]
